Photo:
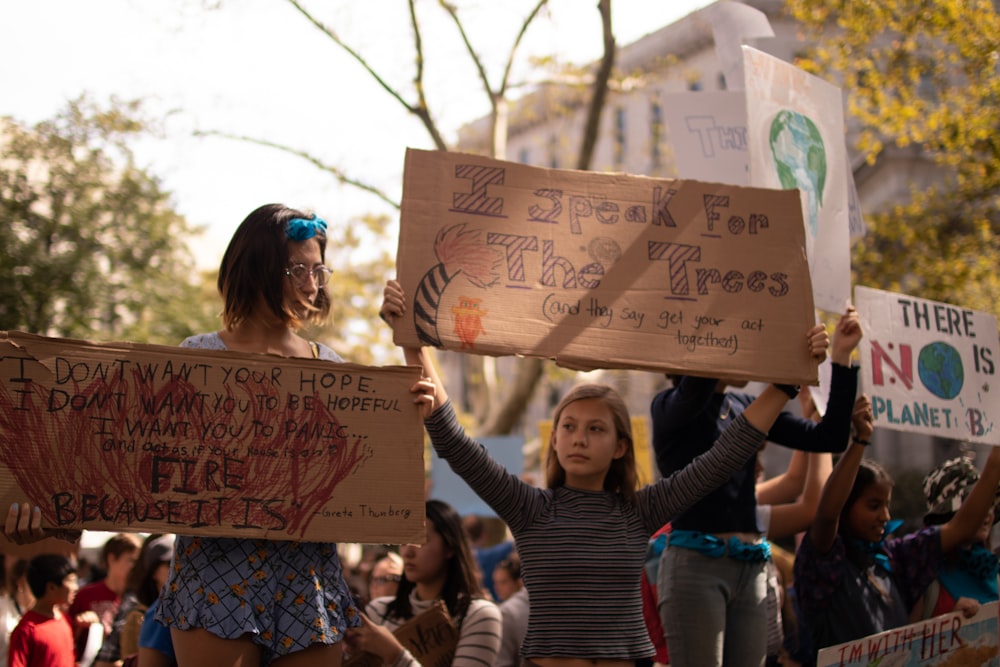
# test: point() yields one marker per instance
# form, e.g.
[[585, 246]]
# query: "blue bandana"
[[875, 550], [300, 229], [974, 576]]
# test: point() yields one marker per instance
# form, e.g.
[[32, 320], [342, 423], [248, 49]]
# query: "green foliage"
[[922, 75], [90, 246]]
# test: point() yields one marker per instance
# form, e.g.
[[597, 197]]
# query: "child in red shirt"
[[44, 637]]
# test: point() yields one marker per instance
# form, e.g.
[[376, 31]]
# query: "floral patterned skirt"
[[285, 595]]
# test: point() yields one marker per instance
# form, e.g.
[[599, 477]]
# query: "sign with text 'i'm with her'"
[[930, 367]]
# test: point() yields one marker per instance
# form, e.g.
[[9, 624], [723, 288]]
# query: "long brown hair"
[[621, 477], [460, 584]]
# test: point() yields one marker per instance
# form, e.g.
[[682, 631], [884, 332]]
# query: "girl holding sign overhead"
[[583, 539], [231, 601], [713, 582], [850, 580]]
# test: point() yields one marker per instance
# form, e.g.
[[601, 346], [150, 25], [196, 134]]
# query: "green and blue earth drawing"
[[800, 159], [940, 368]]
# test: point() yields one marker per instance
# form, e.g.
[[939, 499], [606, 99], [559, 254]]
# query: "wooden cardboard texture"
[[153, 438], [601, 270], [430, 637]]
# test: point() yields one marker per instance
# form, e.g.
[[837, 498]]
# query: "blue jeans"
[[713, 609]]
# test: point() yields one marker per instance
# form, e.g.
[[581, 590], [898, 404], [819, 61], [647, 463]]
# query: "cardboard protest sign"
[[601, 270], [430, 637], [150, 438], [929, 367], [950, 640], [795, 134]]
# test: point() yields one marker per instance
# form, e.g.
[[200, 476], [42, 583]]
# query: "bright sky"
[[258, 68]]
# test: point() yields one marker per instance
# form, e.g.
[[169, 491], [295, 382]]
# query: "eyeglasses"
[[301, 273], [389, 579]]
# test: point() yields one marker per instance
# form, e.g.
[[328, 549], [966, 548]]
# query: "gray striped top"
[[582, 552]]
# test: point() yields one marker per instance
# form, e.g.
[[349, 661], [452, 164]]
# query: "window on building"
[[619, 136], [554, 152], [656, 133]]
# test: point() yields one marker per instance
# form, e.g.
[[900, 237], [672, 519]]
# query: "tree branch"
[[326, 30], [517, 42], [421, 110], [335, 171], [590, 132]]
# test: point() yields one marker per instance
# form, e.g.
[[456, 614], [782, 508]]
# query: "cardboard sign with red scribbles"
[[151, 438], [599, 270]]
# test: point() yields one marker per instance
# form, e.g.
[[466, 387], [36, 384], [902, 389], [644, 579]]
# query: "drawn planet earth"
[[940, 369]]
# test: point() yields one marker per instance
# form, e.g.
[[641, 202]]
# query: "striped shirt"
[[582, 552], [478, 636]]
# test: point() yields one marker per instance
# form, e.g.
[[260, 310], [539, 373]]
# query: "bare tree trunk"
[[508, 412]]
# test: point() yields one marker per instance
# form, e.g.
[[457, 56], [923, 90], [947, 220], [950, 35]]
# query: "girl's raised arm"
[[823, 531], [765, 409], [969, 517], [430, 391]]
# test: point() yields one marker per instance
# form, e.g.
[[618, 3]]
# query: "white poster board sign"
[[708, 133], [929, 367], [946, 640], [795, 135]]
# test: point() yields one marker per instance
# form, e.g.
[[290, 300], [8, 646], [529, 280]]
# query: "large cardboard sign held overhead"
[[600, 270], [929, 367], [150, 438]]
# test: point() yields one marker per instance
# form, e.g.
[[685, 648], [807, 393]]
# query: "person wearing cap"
[[969, 575], [141, 590]]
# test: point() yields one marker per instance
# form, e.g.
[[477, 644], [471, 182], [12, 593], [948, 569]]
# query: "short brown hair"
[[254, 265], [622, 477]]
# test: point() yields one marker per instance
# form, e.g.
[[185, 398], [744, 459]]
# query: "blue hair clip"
[[300, 229]]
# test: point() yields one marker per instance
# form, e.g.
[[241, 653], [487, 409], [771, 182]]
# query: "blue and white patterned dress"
[[285, 595]]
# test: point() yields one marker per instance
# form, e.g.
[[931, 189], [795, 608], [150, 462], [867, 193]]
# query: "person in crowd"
[[142, 588], [507, 577], [487, 555], [386, 574], [583, 539], [14, 600], [786, 506], [440, 569], [233, 601], [514, 610], [850, 580], [713, 578], [44, 635], [98, 602], [156, 648], [968, 576]]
